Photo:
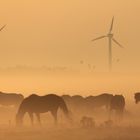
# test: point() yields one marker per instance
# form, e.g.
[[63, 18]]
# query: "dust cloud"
[[100, 128]]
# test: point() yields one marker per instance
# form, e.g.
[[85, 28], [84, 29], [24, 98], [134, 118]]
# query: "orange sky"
[[58, 33]]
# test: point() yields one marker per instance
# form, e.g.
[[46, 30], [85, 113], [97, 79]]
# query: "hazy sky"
[[52, 32], [59, 33]]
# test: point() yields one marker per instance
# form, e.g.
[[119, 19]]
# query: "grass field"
[[115, 133]]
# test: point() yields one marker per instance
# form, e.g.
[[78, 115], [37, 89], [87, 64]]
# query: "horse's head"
[[137, 97], [19, 120]]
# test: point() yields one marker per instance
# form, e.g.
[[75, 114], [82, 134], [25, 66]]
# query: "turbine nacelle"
[[110, 35]]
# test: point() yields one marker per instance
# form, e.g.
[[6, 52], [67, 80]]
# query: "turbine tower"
[[111, 38]]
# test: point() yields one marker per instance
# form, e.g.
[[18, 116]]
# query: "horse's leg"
[[38, 118], [120, 115], [107, 106], [109, 111], [110, 114], [31, 117], [54, 113]]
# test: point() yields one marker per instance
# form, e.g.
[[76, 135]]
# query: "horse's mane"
[[33, 95], [66, 95], [78, 96], [104, 94], [38, 96], [99, 96], [118, 96]]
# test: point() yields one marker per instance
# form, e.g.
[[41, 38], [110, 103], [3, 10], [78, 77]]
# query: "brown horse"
[[137, 97], [35, 104], [10, 99], [118, 105], [99, 101]]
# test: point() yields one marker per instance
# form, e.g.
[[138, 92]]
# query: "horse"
[[78, 104], [10, 99], [74, 102], [77, 100], [99, 100], [118, 104], [137, 97], [67, 99], [35, 104]]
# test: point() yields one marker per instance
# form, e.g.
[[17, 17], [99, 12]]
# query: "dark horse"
[[99, 100], [35, 104], [118, 105], [10, 99], [137, 97]]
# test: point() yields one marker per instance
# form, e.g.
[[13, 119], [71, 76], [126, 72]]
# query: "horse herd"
[[35, 104]]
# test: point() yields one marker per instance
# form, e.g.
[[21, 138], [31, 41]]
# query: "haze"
[[58, 34]]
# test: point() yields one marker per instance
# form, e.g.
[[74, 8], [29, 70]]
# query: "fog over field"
[[78, 83], [128, 128], [49, 47], [69, 82]]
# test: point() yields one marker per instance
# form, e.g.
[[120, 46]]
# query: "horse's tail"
[[64, 107]]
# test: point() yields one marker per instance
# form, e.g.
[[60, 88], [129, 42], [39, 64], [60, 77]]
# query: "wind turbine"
[[111, 38]]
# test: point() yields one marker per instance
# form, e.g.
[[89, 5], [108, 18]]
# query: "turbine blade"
[[117, 43], [99, 38], [111, 27], [2, 27]]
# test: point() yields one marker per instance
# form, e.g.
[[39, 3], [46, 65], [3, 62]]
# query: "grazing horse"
[[41, 104], [10, 99], [137, 97], [77, 104], [77, 100], [99, 101], [118, 104], [67, 99]]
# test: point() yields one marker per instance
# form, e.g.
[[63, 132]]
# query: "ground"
[[71, 133]]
